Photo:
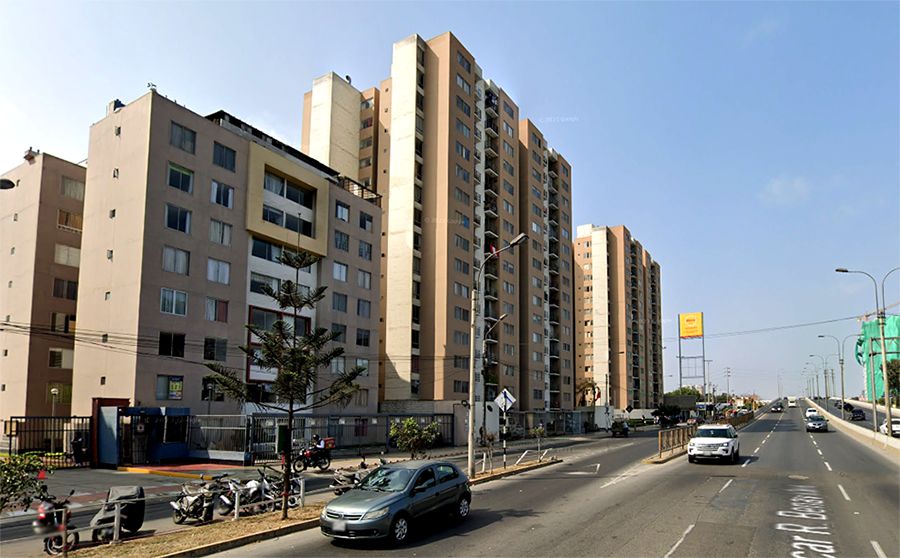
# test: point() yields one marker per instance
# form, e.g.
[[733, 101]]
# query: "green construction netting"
[[870, 341]]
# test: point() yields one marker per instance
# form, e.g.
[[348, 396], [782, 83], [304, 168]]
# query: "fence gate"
[[62, 442]]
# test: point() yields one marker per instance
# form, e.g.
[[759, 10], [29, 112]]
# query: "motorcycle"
[[196, 501], [312, 456], [345, 479], [130, 501], [260, 491], [54, 517]]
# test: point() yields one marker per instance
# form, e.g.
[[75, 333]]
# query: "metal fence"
[[555, 423], [61, 442], [677, 437]]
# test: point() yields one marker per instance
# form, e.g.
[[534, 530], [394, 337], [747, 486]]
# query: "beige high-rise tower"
[[460, 173], [618, 329]]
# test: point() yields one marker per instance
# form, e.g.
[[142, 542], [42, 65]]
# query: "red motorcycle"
[[52, 519], [313, 456]]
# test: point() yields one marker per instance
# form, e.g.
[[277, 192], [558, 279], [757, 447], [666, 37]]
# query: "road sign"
[[505, 400], [629, 408]]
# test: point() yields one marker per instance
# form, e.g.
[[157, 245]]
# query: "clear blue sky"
[[751, 147]]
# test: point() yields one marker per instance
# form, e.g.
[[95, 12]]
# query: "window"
[[169, 387], [218, 271], [181, 178], [342, 211], [365, 162], [461, 313], [464, 130], [365, 142], [536, 175], [366, 123], [461, 196], [509, 110], [273, 215], [338, 365], [340, 332], [299, 225], [509, 187], [69, 221], [182, 138], [258, 282], [63, 288], [508, 129], [266, 251], [365, 250], [509, 168], [508, 207], [263, 319], [509, 308], [365, 221], [173, 302], [178, 218], [340, 271], [171, 344], [223, 156], [461, 266], [535, 192], [363, 308], [463, 84], [215, 348], [461, 362], [460, 290], [219, 232], [462, 173], [537, 338], [216, 310], [509, 288], [535, 227], [464, 62], [61, 358], [338, 302], [461, 338], [274, 183], [463, 106], [362, 337], [67, 255], [538, 394], [342, 241], [72, 188], [536, 210], [461, 243], [363, 279], [222, 194], [509, 149], [62, 322], [176, 260], [462, 220], [460, 386], [463, 151]]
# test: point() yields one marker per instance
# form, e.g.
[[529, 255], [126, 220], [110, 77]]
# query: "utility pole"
[[728, 382]]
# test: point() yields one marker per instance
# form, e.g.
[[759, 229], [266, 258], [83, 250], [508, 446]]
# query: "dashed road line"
[[878, 552], [844, 492], [820, 451], [689, 529], [829, 466], [756, 450], [726, 485]]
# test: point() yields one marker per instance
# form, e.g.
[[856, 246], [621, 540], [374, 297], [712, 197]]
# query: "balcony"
[[554, 317], [491, 104], [491, 129], [553, 174], [490, 294], [491, 170], [554, 267], [490, 208], [490, 271], [490, 148], [554, 202], [490, 187]]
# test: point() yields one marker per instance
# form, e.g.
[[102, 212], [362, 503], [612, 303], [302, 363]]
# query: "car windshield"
[[816, 417], [387, 480], [712, 433]]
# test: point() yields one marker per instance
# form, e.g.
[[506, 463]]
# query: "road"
[[791, 494], [879, 413]]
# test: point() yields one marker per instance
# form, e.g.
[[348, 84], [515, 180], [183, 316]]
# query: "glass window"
[[222, 194], [171, 344], [63, 288], [216, 310], [301, 195], [340, 271], [173, 302], [462, 173], [178, 218], [365, 221], [266, 250], [219, 232], [365, 250], [363, 279], [223, 156], [463, 106], [181, 178], [263, 319], [72, 188], [342, 241], [218, 271], [274, 183], [273, 215], [461, 196], [338, 302], [215, 348], [363, 308], [176, 260], [463, 151], [464, 62], [169, 387], [462, 128], [182, 138], [67, 255], [463, 84], [362, 337], [258, 282], [342, 211]]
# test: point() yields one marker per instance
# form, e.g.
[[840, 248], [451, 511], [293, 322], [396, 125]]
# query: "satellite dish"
[[7, 184]]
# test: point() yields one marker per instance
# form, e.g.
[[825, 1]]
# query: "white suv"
[[715, 441]]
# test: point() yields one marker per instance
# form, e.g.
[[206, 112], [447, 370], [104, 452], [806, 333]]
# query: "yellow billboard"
[[690, 325]]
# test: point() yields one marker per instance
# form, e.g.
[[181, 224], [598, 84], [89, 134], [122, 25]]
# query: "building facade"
[[449, 159], [618, 330], [41, 218], [187, 220]]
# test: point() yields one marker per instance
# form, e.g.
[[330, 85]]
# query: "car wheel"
[[691, 459], [462, 508], [735, 457], [399, 529]]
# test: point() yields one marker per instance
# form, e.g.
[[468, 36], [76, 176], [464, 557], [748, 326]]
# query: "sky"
[[750, 147]]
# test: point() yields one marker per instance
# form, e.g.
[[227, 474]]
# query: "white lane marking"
[[726, 485], [844, 492], [745, 463], [628, 473], [827, 465], [878, 552], [685, 534], [756, 450], [820, 451]]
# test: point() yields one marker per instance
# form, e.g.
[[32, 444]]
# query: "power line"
[[769, 329]]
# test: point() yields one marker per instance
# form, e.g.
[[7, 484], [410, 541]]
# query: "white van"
[[792, 401]]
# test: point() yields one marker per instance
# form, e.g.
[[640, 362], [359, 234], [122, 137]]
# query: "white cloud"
[[763, 30], [785, 191]]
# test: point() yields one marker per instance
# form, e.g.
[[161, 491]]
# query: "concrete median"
[[875, 440]]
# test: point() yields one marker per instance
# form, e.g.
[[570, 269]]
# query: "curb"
[[878, 442], [502, 474], [213, 548], [661, 460], [173, 474]]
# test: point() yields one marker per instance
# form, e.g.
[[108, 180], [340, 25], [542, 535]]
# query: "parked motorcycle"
[[345, 479], [54, 517], [130, 500], [197, 501]]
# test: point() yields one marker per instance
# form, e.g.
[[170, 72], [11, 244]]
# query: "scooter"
[[196, 501], [55, 517], [345, 479], [130, 501]]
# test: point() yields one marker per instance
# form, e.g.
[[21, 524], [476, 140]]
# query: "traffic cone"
[[42, 475]]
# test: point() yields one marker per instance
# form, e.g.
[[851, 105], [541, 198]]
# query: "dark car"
[[389, 500], [777, 409], [848, 406], [857, 414], [619, 428]]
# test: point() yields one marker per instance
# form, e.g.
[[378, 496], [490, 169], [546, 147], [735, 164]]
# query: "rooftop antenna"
[[349, 81], [151, 85]]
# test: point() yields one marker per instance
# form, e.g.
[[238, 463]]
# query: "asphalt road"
[[792, 494], [880, 415]]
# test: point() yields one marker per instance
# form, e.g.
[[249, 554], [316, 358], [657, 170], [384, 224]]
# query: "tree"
[[411, 436], [297, 358], [19, 481], [893, 373], [685, 390]]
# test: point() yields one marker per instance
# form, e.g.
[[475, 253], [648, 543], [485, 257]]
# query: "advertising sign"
[[690, 325]]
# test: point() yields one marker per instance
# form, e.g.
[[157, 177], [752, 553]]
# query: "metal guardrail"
[[677, 437]]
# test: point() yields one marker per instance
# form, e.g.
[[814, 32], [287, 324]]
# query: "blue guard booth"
[[143, 435]]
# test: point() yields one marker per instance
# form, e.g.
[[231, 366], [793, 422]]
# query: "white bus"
[[792, 401]]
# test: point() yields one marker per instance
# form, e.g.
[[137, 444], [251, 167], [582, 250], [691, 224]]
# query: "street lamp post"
[[824, 376], [54, 394], [470, 468], [841, 363], [880, 311]]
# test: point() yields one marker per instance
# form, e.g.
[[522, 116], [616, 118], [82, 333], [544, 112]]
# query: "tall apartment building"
[[187, 218], [40, 242], [445, 148], [618, 328]]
